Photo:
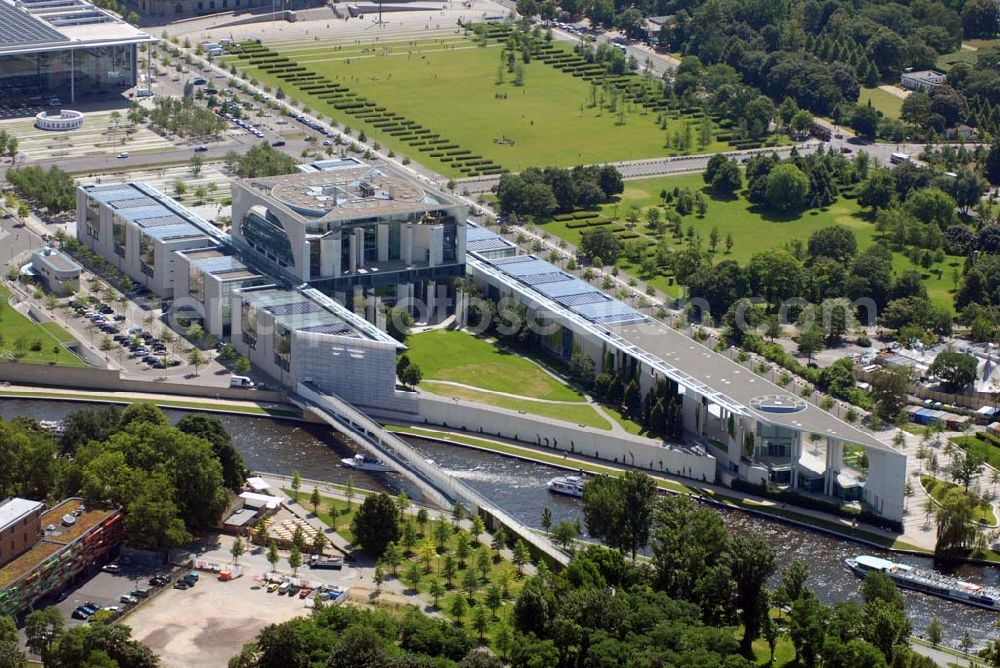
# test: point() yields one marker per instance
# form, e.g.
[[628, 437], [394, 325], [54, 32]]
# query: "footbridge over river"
[[437, 486]]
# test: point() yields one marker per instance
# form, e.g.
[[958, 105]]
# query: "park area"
[[454, 97], [30, 342], [457, 364], [753, 230]]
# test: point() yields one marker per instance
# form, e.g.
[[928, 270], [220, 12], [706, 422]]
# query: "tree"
[[864, 121], [836, 242], [481, 623], [980, 19], [565, 533], [237, 549], [42, 629], [398, 322], [521, 555], [546, 518], [494, 599], [752, 562], [210, 428], [811, 342], [877, 190], [242, 365], [414, 576], [296, 482], [375, 524], [459, 608], [272, 555], [436, 590], [955, 528], [956, 371], [295, 559], [888, 391], [315, 500], [319, 543], [966, 465], [807, 628], [196, 163], [195, 359], [934, 631], [620, 510], [411, 376], [601, 243], [787, 188], [392, 557]]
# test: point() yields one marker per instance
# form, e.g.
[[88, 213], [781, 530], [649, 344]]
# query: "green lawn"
[[578, 413], [989, 453], [889, 104], [342, 524], [752, 229], [20, 334], [939, 489], [462, 358], [450, 86]]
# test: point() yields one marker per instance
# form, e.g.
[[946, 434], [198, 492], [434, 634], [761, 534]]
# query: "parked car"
[[198, 81], [122, 155], [119, 317], [111, 568], [158, 581], [200, 149], [278, 142], [180, 584], [80, 613], [128, 599]]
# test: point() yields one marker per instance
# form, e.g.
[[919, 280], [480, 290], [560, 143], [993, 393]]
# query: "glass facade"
[[93, 219], [248, 318], [147, 255], [196, 284], [267, 238], [72, 75], [118, 227], [283, 347]]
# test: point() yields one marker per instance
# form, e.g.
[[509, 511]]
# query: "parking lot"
[[209, 623], [106, 589]]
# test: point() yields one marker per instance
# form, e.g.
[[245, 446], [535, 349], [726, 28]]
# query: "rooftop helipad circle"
[[778, 403]]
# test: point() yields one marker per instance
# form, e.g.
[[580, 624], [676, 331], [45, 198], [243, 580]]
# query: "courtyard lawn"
[[463, 358], [578, 413], [939, 489], [20, 334], [451, 87], [989, 453], [889, 104], [753, 230]]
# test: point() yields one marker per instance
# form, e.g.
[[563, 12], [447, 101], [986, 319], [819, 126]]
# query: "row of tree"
[[51, 188]]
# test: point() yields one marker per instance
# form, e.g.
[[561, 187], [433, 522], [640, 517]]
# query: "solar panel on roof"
[[18, 27], [584, 298], [134, 203], [109, 187], [160, 221], [486, 244], [295, 308], [548, 277], [515, 259], [336, 329]]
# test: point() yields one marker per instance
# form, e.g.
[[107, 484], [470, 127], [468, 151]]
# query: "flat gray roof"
[[14, 509], [683, 357]]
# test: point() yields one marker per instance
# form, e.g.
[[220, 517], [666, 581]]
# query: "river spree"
[[282, 446]]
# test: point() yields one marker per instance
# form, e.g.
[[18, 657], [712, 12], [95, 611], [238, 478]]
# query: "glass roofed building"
[[64, 51]]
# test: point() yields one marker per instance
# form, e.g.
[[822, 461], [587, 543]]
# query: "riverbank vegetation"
[[168, 480], [940, 490], [702, 600]]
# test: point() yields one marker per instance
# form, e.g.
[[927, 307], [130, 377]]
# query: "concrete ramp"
[[437, 486]]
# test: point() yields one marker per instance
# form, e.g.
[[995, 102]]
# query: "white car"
[[128, 599], [122, 155]]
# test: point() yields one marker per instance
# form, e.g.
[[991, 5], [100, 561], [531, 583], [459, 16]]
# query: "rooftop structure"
[[922, 79], [352, 230], [65, 549], [14, 510], [65, 48]]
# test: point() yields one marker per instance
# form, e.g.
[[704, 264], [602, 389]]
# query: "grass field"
[[753, 230], [989, 453], [342, 523], [463, 358], [887, 103], [939, 490], [578, 413], [20, 334], [451, 87]]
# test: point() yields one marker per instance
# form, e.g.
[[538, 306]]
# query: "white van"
[[240, 381]]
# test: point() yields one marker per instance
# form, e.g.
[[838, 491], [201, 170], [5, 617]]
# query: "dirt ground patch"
[[208, 624]]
